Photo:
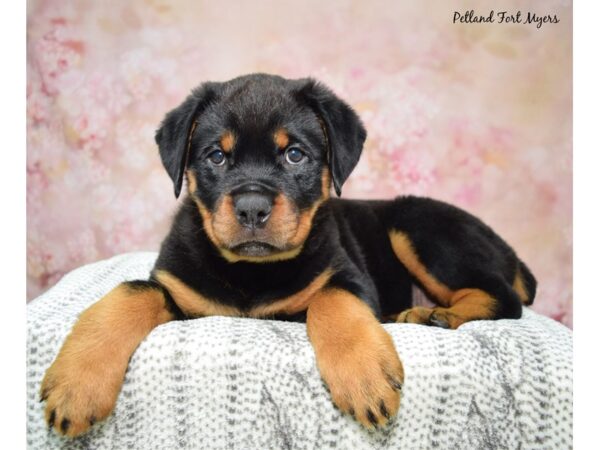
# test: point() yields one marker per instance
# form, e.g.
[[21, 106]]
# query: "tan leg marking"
[[458, 306], [82, 384], [355, 355], [466, 305], [519, 287], [405, 252]]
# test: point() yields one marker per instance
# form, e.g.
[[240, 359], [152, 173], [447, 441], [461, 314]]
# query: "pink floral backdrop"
[[474, 114]]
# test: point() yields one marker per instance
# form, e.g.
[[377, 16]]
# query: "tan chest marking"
[[294, 303], [195, 304], [191, 302]]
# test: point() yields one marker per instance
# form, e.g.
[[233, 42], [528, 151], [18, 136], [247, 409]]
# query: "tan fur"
[[195, 304], [406, 254], [306, 217], [281, 138], [207, 216], [519, 287], [227, 141], [225, 224], [280, 256], [280, 231], [84, 380], [458, 306], [191, 182], [355, 355], [294, 303], [465, 305], [286, 229], [416, 314], [191, 302], [325, 184]]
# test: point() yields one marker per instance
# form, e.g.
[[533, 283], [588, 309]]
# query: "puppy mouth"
[[254, 248]]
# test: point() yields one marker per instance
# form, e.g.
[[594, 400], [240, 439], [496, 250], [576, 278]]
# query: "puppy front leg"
[[82, 384], [355, 356]]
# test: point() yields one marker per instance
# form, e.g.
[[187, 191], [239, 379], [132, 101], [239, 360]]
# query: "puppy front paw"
[[366, 379], [78, 392]]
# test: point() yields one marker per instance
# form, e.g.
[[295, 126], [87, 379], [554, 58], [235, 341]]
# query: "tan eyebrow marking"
[[227, 141], [281, 138]]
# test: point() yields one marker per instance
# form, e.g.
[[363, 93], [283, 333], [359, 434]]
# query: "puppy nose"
[[252, 209]]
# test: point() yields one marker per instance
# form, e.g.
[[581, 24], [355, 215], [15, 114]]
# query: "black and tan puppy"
[[258, 236]]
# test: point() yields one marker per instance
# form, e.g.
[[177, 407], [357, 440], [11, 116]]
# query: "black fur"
[[349, 237], [172, 136], [344, 131], [144, 285], [258, 235]]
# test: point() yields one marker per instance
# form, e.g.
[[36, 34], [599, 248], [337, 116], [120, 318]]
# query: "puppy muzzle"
[[253, 204]]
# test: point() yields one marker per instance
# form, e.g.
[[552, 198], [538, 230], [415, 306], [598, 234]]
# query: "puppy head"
[[259, 153]]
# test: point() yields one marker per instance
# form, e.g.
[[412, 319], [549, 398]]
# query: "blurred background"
[[479, 115]]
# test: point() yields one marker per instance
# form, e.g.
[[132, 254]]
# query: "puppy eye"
[[217, 157], [294, 155]]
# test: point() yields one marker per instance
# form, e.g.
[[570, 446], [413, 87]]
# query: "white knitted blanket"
[[232, 383]]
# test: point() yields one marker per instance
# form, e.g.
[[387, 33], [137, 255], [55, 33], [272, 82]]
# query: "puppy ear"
[[175, 132], [345, 133]]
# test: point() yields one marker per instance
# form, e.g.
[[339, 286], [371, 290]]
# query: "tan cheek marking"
[[283, 222], [290, 231], [406, 254], [281, 138], [191, 302], [295, 303], [225, 224], [519, 287], [306, 217], [305, 223], [192, 183], [325, 184], [227, 141], [206, 215], [207, 222]]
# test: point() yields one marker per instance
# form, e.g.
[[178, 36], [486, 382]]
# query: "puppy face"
[[259, 153]]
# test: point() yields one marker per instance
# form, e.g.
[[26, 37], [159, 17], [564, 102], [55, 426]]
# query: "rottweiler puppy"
[[259, 236]]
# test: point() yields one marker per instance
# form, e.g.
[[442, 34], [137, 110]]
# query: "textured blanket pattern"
[[232, 383]]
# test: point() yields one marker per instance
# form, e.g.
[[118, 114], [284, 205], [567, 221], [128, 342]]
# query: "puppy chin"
[[254, 248]]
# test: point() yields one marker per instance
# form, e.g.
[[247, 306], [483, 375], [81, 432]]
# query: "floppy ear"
[[345, 132], [175, 132]]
